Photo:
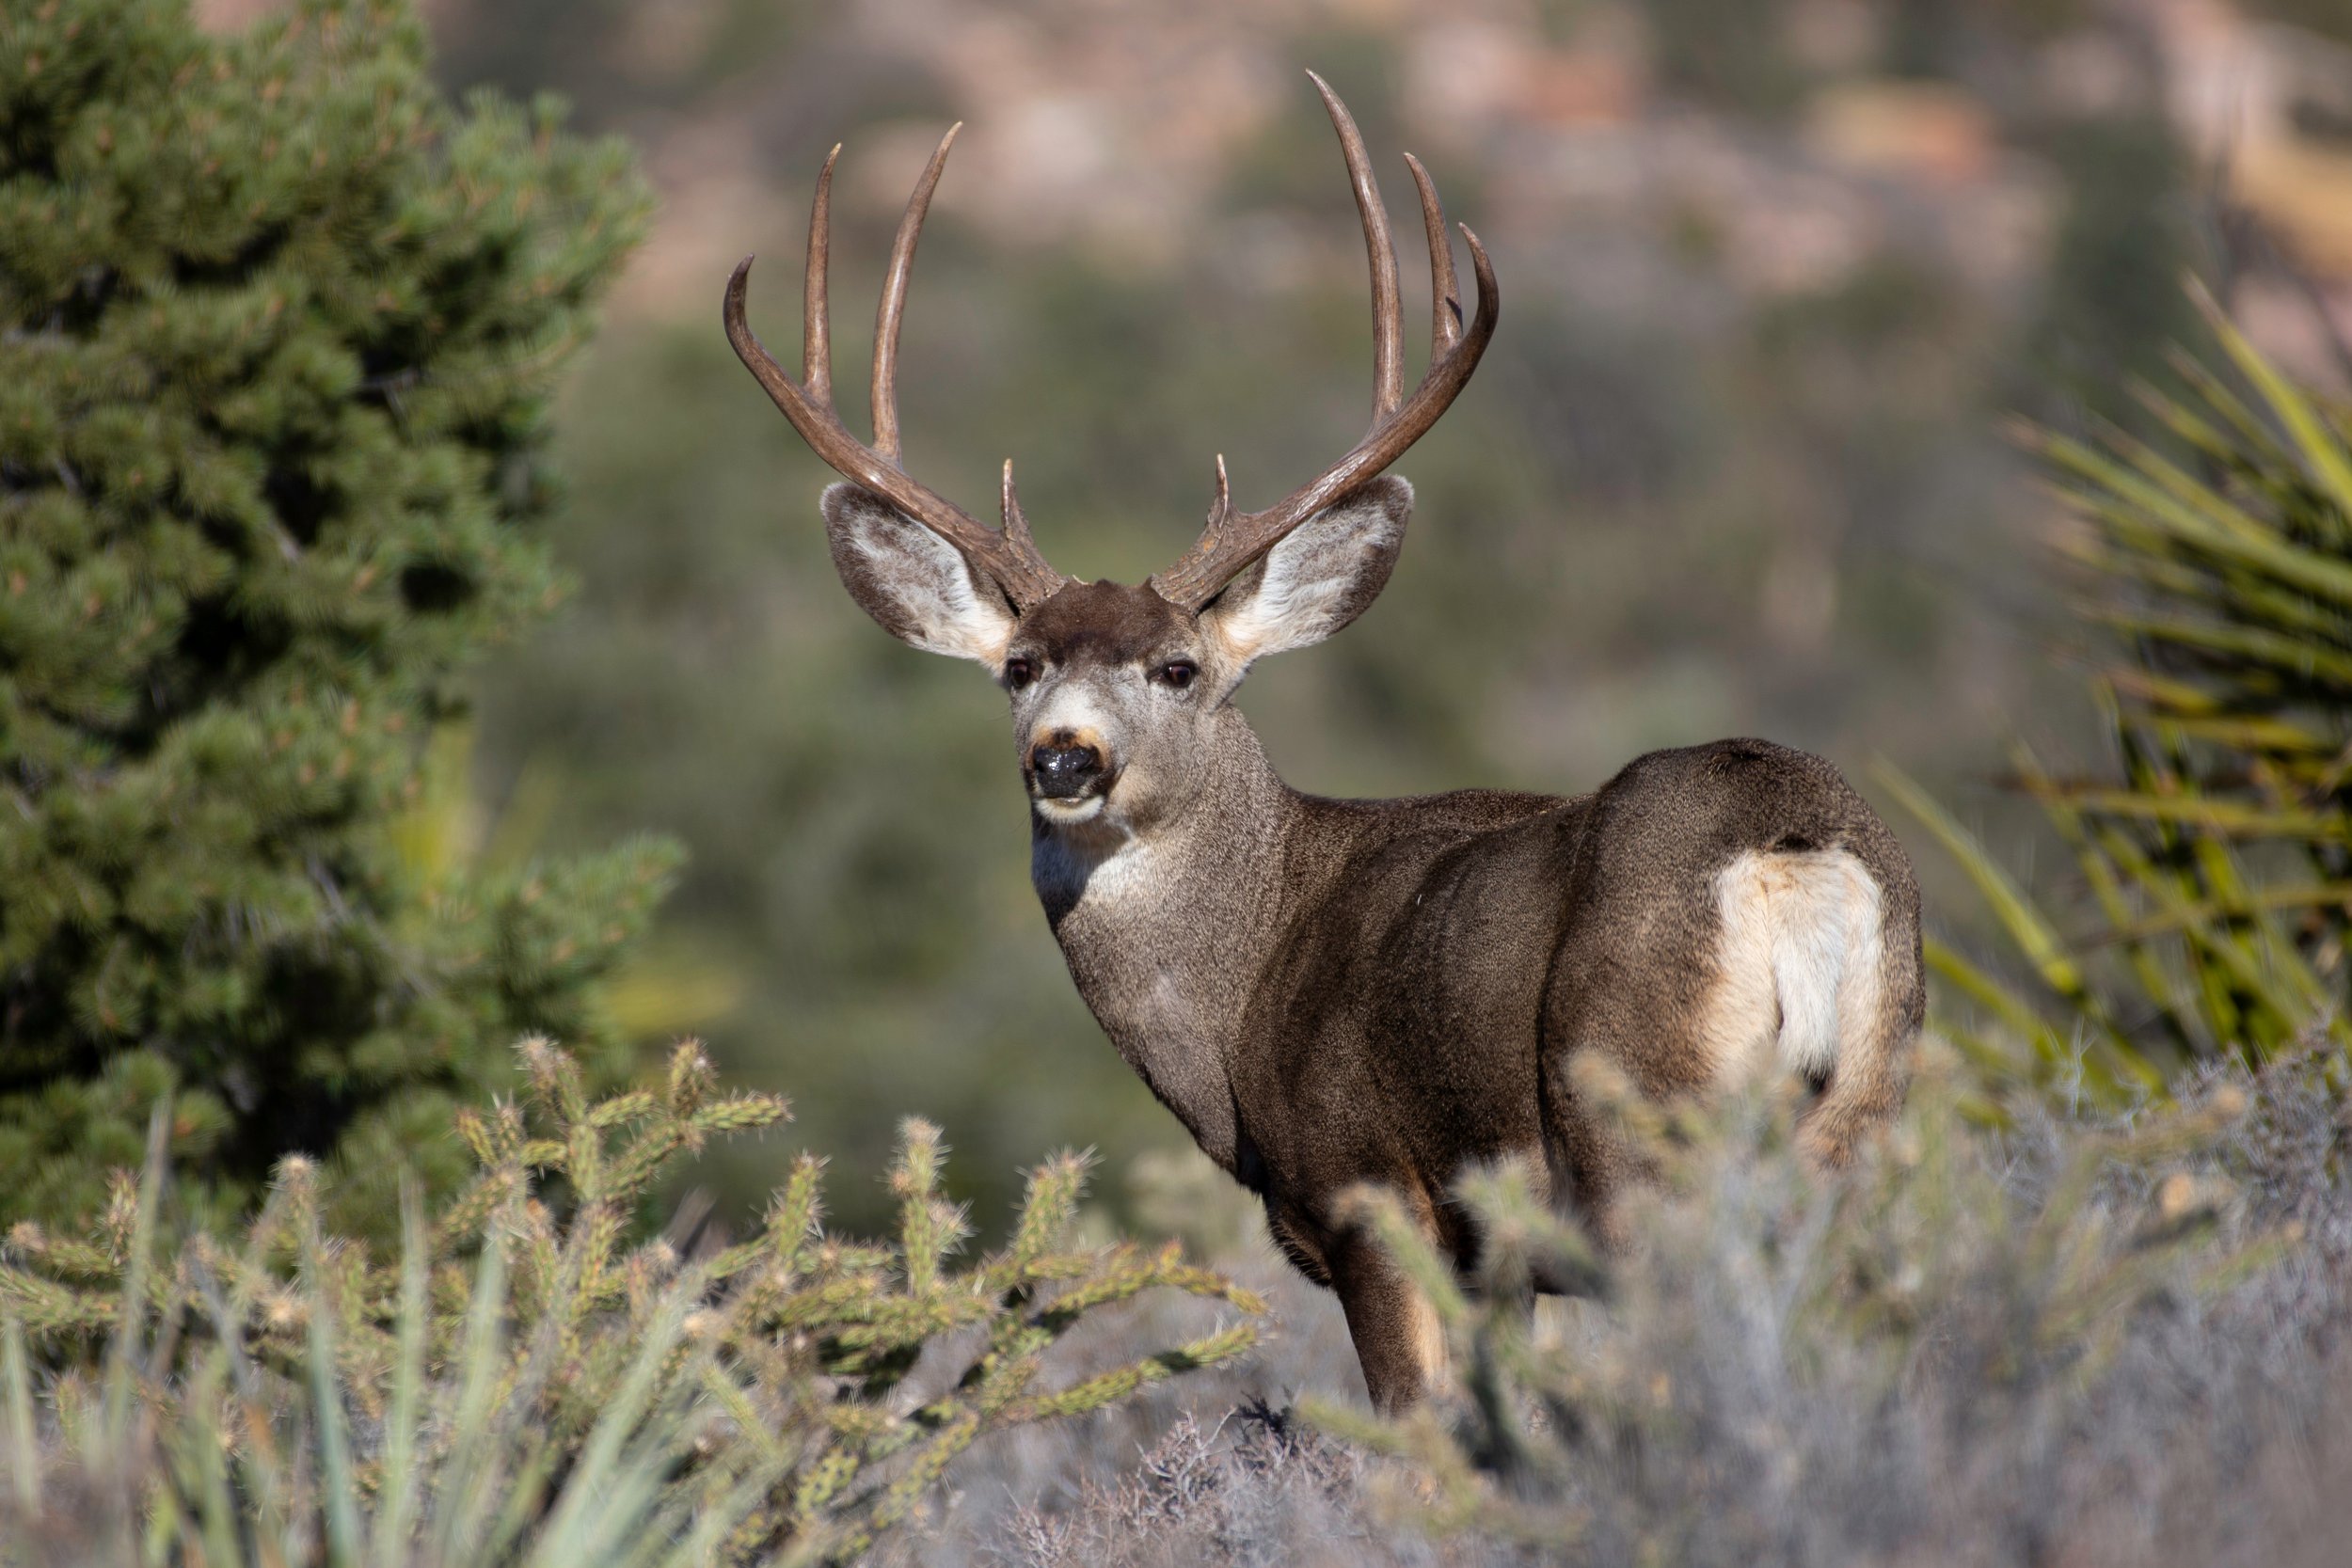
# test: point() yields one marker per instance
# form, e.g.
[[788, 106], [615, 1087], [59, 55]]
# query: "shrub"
[[1959, 1287], [2107, 1340], [2215, 858], [278, 333], [520, 1382]]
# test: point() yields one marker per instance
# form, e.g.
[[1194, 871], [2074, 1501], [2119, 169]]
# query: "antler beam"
[[1007, 557], [1233, 541]]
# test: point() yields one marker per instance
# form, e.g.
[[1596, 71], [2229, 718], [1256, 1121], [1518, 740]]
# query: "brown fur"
[[1334, 994]]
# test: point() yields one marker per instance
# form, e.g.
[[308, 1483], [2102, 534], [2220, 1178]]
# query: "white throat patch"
[[1089, 862]]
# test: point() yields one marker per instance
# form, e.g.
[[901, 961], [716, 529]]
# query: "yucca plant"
[[530, 1380], [2215, 854]]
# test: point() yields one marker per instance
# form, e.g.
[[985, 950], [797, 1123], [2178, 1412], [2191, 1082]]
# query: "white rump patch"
[[1800, 961]]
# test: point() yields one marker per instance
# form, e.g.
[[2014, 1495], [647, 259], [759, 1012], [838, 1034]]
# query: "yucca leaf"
[[2223, 875], [2277, 739], [2025, 925], [2129, 500], [397, 1494], [2211, 943], [2203, 586], [2247, 901], [2321, 447], [2298, 655], [2258, 444], [338, 1496], [16, 1391], [127, 1345], [2227, 817], [478, 1373]]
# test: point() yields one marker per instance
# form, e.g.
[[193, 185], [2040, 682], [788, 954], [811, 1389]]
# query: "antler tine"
[[816, 313], [1016, 529], [1445, 294], [1388, 313], [894, 299], [1009, 558], [1232, 541]]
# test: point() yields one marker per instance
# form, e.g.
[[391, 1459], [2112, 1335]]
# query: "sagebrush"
[[2114, 1339]]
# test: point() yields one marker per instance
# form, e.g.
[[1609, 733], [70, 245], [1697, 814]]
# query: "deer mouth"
[[1061, 799], [1068, 812], [1065, 799], [1069, 773]]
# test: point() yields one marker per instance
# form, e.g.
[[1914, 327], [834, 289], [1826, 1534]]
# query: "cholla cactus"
[[532, 1381]]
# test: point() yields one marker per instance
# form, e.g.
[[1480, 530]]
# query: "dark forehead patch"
[[1103, 622]]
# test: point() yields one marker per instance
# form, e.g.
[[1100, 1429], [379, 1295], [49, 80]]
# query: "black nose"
[[1064, 771]]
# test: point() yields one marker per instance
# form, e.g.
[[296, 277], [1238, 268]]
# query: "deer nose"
[[1064, 768]]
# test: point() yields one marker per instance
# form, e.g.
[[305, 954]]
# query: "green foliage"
[[522, 1381], [278, 328], [1757, 1296], [2217, 860]]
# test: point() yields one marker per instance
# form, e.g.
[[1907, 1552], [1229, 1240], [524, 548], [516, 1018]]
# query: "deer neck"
[[1165, 932]]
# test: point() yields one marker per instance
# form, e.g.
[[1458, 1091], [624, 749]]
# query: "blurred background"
[[1775, 273]]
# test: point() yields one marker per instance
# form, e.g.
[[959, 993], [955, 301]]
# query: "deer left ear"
[[916, 585], [1323, 575]]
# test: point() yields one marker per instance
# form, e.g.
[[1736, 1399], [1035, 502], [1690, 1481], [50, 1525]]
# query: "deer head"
[[1117, 692]]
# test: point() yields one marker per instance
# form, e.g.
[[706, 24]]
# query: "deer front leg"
[[1398, 1341]]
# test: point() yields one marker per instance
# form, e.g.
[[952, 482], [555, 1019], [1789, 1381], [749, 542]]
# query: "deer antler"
[[1008, 556], [1233, 541]]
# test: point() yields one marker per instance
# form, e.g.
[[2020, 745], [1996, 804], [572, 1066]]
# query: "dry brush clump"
[[1258, 1485], [530, 1380], [2110, 1341]]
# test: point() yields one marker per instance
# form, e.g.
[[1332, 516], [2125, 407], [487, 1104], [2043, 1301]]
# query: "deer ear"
[[1323, 575], [914, 584]]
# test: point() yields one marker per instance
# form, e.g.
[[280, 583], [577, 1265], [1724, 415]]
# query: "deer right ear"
[[916, 585]]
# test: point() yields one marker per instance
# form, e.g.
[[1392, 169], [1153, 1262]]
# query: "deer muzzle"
[[1065, 769]]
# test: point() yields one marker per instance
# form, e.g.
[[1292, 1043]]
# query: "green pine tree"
[[278, 328]]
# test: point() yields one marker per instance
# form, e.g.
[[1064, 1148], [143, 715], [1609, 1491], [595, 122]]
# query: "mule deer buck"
[[1333, 992]]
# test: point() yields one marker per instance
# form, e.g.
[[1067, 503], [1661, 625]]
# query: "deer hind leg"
[[1814, 980], [1399, 1342]]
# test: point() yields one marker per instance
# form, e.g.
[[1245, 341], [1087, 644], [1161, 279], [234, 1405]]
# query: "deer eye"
[[1019, 672], [1177, 673]]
